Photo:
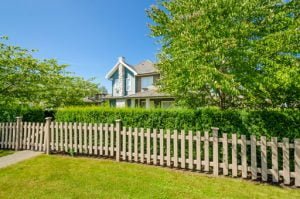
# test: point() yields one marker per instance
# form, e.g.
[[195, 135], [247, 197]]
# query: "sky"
[[88, 35]]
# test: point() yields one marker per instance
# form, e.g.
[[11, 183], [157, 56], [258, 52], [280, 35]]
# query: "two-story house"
[[134, 86]]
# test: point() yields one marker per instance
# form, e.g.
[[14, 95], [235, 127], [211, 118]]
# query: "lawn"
[[67, 177], [5, 152]]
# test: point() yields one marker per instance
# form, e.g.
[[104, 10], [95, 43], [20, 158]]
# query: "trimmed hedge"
[[275, 122], [28, 114]]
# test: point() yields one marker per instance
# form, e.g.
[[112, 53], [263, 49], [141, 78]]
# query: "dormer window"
[[128, 84], [146, 81]]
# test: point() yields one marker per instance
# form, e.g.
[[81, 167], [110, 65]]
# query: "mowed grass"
[[5, 152], [67, 177]]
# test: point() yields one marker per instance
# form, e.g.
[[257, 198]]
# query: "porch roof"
[[143, 94]]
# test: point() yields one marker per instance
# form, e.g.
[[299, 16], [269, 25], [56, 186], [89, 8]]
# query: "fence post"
[[18, 132], [47, 134], [118, 131]]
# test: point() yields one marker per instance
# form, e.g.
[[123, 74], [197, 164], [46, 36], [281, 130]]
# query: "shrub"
[[9, 114], [275, 122]]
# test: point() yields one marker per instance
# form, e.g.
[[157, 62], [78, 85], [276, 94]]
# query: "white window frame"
[[128, 84], [143, 79]]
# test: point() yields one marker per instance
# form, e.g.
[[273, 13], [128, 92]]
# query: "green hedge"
[[276, 122], [28, 114]]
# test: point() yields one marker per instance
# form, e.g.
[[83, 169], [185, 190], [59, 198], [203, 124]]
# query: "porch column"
[[147, 102], [132, 103]]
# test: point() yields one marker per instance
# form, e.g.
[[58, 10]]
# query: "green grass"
[[67, 177], [5, 152]]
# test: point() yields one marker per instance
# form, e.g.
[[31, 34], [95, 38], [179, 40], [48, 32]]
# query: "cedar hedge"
[[29, 114], [270, 122]]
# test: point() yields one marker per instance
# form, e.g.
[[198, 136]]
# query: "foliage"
[[273, 122], [9, 114], [229, 53], [25, 80]]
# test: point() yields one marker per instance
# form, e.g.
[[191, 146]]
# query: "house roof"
[[142, 94], [145, 67], [148, 93]]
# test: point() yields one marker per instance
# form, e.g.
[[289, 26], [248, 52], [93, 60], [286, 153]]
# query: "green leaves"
[[229, 53], [27, 81]]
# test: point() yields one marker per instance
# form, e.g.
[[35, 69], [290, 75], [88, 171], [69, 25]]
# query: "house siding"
[[129, 74], [114, 77], [139, 81]]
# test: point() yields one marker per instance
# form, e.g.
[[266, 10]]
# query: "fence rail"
[[228, 154]]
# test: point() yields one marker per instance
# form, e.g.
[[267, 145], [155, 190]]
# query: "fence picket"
[[38, 137], [6, 136], [264, 169], [253, 157], [215, 151], [274, 145], [155, 146], [75, 137], [42, 138], [142, 150], [80, 128], [286, 161], [66, 136], [56, 136], [112, 140], [297, 162], [90, 139], [225, 154], [70, 127], [61, 136], [148, 146], [106, 140], [14, 136], [25, 135], [161, 147], [191, 159], [130, 144], [175, 149], [136, 156], [234, 155], [124, 143], [101, 138], [244, 156], [52, 142], [168, 148], [182, 153], [198, 151], [206, 151]]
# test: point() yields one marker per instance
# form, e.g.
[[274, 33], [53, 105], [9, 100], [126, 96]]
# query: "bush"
[[275, 122], [28, 114]]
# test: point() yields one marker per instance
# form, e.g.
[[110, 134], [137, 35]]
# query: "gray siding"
[[139, 82]]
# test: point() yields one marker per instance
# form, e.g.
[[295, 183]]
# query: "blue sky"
[[89, 35]]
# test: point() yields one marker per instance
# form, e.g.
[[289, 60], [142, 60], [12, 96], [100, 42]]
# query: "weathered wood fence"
[[229, 155]]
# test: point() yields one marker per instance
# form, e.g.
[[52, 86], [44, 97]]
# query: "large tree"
[[25, 80], [229, 53]]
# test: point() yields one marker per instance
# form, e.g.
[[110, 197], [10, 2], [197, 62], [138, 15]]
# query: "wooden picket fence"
[[236, 156]]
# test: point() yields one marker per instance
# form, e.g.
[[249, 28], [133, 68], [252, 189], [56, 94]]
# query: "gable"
[[115, 68]]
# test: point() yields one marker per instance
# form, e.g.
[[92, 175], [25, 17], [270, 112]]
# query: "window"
[[128, 84], [166, 104], [147, 81], [116, 86]]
